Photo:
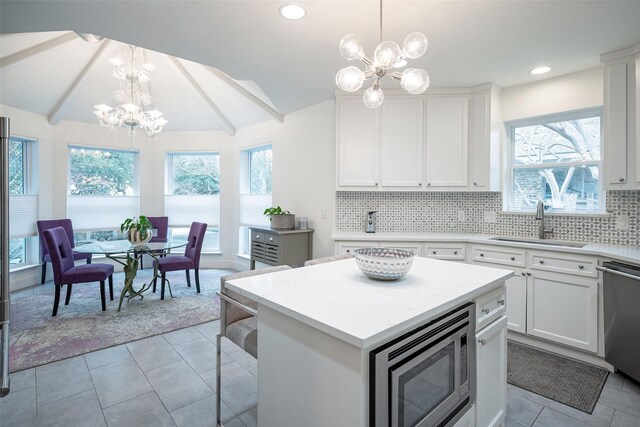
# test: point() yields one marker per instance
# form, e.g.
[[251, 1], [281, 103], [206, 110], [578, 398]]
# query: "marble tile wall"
[[438, 212]]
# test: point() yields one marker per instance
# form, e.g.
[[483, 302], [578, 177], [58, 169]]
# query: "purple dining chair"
[[45, 257], [161, 225], [65, 272], [190, 259]]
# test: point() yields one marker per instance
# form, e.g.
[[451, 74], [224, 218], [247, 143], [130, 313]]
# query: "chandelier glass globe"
[[386, 54], [415, 45], [373, 97], [351, 47], [350, 78], [414, 80]]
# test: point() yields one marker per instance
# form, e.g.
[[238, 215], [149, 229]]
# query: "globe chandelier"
[[133, 94], [387, 56]]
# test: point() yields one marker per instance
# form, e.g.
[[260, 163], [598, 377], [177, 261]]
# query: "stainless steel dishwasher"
[[622, 317]]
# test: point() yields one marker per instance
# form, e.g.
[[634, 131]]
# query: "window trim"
[[510, 127]]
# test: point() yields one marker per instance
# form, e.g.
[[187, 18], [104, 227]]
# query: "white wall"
[[303, 170], [574, 91]]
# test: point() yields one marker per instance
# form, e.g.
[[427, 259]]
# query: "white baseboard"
[[594, 359]]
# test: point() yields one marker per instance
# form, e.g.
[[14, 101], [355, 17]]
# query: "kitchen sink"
[[548, 242]]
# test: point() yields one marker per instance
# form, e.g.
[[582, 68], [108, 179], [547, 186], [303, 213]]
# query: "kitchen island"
[[318, 325]]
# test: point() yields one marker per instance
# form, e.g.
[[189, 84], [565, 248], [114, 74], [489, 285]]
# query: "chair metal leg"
[[102, 296], [66, 300], [164, 279], [155, 279], [197, 273], [186, 272], [56, 301], [218, 378], [88, 260], [111, 287], [44, 273]]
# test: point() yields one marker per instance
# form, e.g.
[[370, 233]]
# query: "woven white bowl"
[[383, 263]]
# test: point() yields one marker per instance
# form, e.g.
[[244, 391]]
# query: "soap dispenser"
[[371, 226]]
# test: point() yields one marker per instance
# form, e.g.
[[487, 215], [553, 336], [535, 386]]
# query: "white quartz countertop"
[[624, 253], [338, 299]]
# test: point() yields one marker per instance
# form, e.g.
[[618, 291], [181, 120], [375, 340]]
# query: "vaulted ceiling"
[[293, 63]]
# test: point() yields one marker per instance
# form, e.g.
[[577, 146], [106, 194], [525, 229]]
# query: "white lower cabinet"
[[416, 248], [348, 247], [563, 309], [468, 419], [517, 301], [491, 374]]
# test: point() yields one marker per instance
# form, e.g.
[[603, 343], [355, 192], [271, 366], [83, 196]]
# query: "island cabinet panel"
[[563, 309], [358, 145], [447, 142], [491, 366], [402, 140]]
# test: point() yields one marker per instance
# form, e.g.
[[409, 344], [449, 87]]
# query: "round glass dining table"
[[128, 255]]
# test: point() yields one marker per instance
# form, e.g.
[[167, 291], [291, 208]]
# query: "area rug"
[[81, 327], [564, 380]]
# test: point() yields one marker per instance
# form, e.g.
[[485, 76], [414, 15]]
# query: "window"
[[23, 202], [557, 159], [103, 187], [255, 191], [193, 194]]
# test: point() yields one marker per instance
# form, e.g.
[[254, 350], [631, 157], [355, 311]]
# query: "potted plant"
[[139, 231], [280, 218]]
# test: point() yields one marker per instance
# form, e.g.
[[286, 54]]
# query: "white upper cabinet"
[[485, 132], [447, 141], [621, 126], [444, 141], [358, 147], [402, 140]]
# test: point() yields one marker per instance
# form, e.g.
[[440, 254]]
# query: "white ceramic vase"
[[135, 236]]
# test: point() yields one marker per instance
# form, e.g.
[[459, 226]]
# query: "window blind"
[[252, 207], [100, 212], [23, 214], [182, 210]]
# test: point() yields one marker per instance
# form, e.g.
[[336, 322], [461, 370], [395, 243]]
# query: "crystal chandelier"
[[387, 55], [133, 94]]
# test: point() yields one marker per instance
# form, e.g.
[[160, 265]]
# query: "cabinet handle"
[[481, 254], [581, 266], [501, 302], [348, 250], [483, 342], [257, 236], [428, 183], [455, 252], [434, 252], [621, 179], [420, 184], [376, 184], [513, 258], [522, 273], [541, 261], [486, 310], [270, 239], [475, 183], [528, 274]]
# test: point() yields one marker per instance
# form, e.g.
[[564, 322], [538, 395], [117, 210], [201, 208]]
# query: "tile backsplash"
[[438, 212]]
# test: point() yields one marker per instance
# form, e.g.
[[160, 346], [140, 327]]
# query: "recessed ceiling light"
[[540, 70], [292, 11]]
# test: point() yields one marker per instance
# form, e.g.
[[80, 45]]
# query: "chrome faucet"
[[542, 230]]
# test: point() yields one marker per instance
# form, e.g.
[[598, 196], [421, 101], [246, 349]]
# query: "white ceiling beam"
[[39, 48], [244, 92], [225, 122], [58, 109]]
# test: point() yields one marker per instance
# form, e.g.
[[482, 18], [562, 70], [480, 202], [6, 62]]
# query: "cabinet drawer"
[[349, 247], [490, 307], [272, 239], [257, 236], [453, 251], [499, 255], [559, 262], [416, 248]]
